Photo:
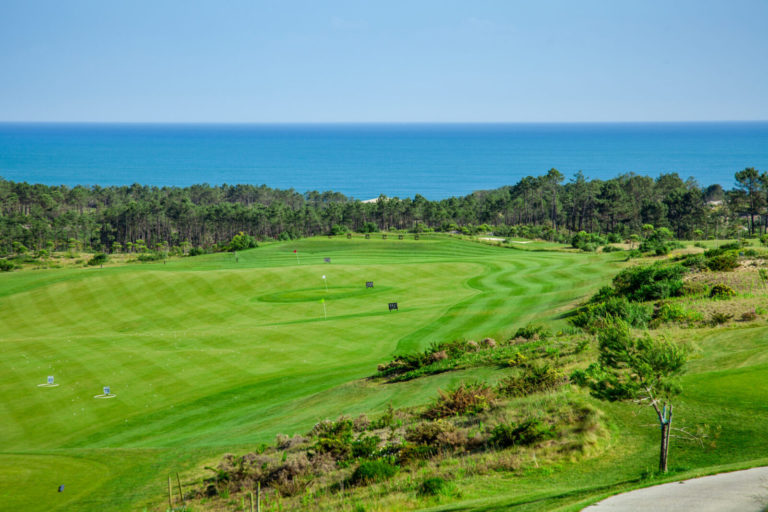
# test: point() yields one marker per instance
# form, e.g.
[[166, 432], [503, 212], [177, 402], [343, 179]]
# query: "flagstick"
[[297, 259], [325, 315]]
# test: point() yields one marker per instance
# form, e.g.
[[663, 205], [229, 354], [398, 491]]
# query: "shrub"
[[433, 486], [339, 449], [532, 331], [489, 343], [652, 282], [241, 242], [403, 363], [6, 266], [611, 248], [748, 316], [440, 355], [593, 317], [719, 319], [517, 360], [528, 432], [603, 294], [338, 229], [151, 256], [723, 262], [673, 312], [533, 379], [695, 261], [196, 251], [365, 446], [721, 291], [587, 242], [98, 259], [412, 452], [466, 399], [369, 227], [373, 471], [334, 438], [428, 432], [694, 288]]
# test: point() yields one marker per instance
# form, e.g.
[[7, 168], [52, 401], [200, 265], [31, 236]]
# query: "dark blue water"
[[364, 161]]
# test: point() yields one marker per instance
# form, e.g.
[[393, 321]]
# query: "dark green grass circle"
[[316, 293]]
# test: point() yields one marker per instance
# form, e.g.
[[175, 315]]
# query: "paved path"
[[739, 491]]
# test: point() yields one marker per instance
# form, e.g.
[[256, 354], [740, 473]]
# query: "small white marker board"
[[48, 384], [107, 393]]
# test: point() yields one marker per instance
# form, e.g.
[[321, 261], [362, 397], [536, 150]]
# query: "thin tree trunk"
[[664, 447]]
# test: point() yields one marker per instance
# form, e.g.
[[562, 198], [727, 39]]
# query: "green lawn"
[[207, 355]]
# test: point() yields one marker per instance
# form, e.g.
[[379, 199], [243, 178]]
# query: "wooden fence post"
[[170, 496], [181, 494]]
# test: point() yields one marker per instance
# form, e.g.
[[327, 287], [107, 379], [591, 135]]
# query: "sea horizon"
[[363, 160]]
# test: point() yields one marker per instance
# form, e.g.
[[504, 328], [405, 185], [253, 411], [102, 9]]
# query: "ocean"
[[365, 160]]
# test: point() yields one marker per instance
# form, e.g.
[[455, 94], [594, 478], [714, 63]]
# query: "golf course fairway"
[[208, 354], [218, 353]]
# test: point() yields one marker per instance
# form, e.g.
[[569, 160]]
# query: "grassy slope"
[[207, 355]]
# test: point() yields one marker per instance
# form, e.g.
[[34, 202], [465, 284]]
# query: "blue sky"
[[385, 61]]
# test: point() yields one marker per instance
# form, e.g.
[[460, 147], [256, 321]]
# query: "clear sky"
[[388, 61]]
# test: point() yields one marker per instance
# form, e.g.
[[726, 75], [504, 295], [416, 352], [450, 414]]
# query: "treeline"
[[109, 218]]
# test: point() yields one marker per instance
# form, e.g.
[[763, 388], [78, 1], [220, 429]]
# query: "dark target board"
[[393, 306], [369, 284]]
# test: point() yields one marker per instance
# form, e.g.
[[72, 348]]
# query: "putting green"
[[209, 355], [319, 294]]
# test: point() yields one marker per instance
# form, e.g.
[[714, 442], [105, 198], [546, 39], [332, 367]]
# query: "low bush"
[[517, 360], [691, 288], [98, 259], [241, 242], [433, 486], [428, 432], [528, 432], [466, 399], [611, 248], [717, 251], [488, 343], [672, 312], [533, 379], [721, 291], [587, 242], [365, 446], [723, 262], [748, 316], [596, 316], [151, 256], [333, 438], [694, 261], [409, 453], [719, 318], [373, 471], [403, 363], [533, 331], [6, 266], [652, 282]]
